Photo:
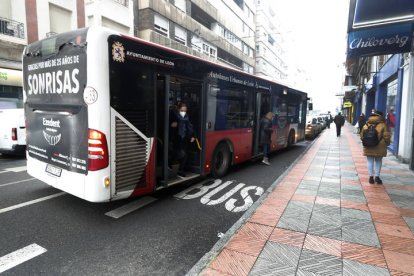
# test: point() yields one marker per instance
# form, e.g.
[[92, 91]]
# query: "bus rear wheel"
[[221, 161]]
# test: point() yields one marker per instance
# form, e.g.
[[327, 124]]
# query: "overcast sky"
[[315, 38]]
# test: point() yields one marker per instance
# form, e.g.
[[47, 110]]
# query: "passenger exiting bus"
[[266, 136], [181, 134]]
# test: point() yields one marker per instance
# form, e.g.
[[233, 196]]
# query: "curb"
[[217, 248]]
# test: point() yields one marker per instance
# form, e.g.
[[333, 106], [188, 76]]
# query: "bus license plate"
[[53, 170]]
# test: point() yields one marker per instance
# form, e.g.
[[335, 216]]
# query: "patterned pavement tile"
[[406, 212], [327, 210], [363, 254], [360, 237], [358, 199], [303, 198], [264, 267], [328, 201], [319, 263], [394, 230], [329, 194], [296, 216], [352, 268], [354, 205], [281, 253], [307, 192], [265, 218], [389, 219], [233, 263], [213, 272], [400, 273], [287, 237], [352, 213], [397, 244], [399, 261], [358, 224], [410, 223], [383, 209], [323, 245], [327, 230]]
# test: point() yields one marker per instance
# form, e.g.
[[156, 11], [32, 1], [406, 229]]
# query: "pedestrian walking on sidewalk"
[[266, 136], [339, 121], [361, 122], [375, 136]]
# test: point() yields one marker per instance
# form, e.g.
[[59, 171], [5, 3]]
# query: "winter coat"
[[184, 129], [384, 135], [265, 131], [361, 121], [339, 120]]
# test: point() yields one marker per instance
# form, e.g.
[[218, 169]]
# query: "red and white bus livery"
[[98, 107]]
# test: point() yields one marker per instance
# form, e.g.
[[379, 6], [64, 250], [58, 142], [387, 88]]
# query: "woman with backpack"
[[375, 137]]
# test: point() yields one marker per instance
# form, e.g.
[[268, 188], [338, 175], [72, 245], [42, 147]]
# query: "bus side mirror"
[[310, 106]]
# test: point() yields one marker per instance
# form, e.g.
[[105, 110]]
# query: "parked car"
[[322, 121], [12, 130], [313, 128]]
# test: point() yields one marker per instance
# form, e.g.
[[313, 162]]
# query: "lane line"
[[130, 207], [16, 182], [24, 204], [17, 169], [20, 256]]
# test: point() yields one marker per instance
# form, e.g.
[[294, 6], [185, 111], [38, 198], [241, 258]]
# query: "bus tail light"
[[14, 134], [97, 150]]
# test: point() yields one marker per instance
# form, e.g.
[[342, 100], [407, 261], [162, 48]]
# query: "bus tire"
[[221, 161], [291, 138]]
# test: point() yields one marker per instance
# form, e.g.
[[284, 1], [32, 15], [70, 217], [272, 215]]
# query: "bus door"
[[177, 164], [262, 107]]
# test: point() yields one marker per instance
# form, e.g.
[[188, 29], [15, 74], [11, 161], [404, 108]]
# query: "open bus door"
[[172, 90], [262, 107]]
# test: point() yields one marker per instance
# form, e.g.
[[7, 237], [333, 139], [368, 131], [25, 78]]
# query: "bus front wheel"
[[221, 161]]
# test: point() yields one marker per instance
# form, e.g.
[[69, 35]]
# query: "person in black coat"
[[181, 133], [339, 121], [266, 136], [361, 122]]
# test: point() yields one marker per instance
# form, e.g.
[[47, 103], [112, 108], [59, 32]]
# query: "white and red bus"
[[98, 105]]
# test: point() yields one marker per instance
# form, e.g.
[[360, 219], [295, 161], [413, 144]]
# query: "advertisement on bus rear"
[[56, 114]]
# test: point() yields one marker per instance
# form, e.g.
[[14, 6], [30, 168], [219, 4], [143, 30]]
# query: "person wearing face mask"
[[181, 133]]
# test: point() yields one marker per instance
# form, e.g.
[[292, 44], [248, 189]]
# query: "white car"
[[13, 129]]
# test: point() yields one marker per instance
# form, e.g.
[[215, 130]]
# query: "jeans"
[[378, 164], [266, 150]]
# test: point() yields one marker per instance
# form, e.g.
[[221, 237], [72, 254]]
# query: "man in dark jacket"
[[181, 132], [339, 121], [266, 136], [361, 122]]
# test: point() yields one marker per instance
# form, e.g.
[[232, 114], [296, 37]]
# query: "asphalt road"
[[166, 237]]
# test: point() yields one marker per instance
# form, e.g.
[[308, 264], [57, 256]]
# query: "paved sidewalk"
[[324, 218]]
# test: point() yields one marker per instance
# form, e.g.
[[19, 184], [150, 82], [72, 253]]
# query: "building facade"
[[269, 44], [221, 31], [385, 83], [117, 15]]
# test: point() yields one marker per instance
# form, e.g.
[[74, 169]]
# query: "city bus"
[[98, 111]]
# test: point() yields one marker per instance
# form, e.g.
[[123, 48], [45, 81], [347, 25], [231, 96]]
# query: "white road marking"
[[17, 169], [20, 256], [130, 207], [24, 204], [16, 182]]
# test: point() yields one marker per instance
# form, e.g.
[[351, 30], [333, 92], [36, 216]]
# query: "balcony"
[[11, 28]]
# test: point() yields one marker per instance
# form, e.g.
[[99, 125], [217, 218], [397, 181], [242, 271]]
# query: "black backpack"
[[370, 137]]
